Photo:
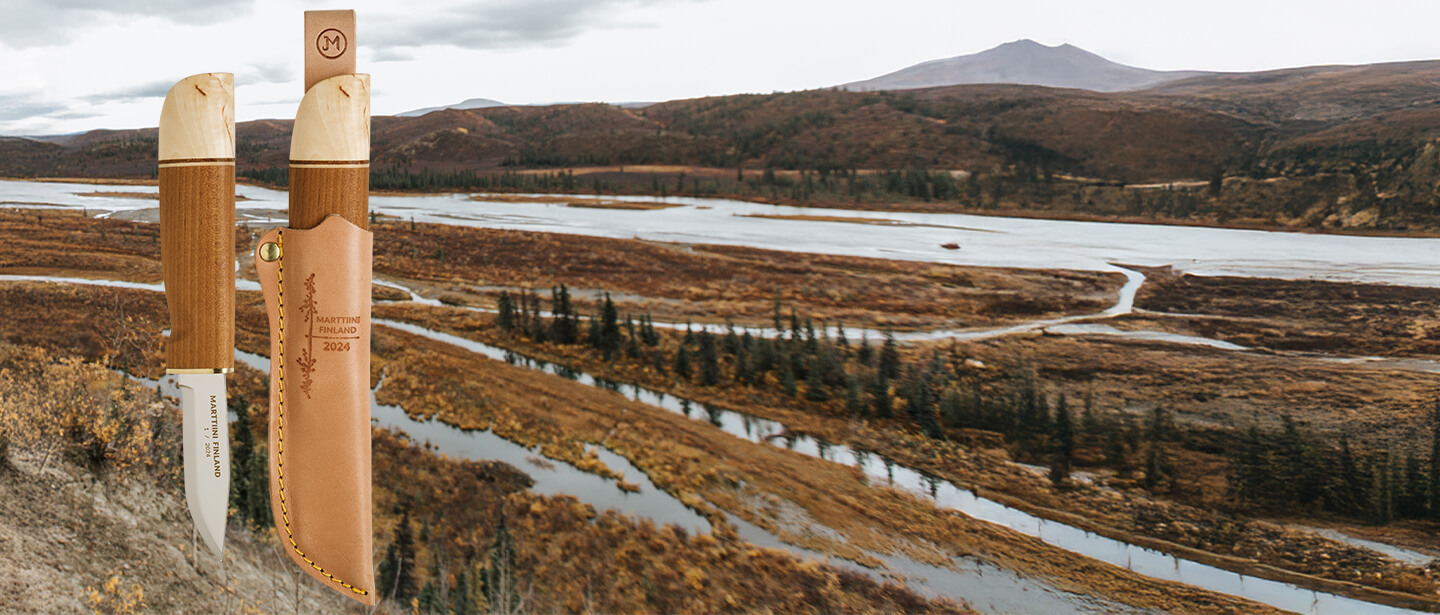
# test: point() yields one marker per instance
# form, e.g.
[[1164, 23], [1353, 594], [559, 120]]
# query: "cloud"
[[25, 106], [289, 102], [391, 54], [40, 23], [153, 89], [251, 75], [267, 72], [74, 115], [506, 24]]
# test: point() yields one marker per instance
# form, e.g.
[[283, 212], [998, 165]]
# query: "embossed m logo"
[[331, 43]]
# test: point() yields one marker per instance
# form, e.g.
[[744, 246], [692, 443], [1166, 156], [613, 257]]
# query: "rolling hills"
[[1343, 147]]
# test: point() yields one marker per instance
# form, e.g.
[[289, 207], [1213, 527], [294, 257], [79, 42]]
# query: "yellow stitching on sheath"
[[280, 425]]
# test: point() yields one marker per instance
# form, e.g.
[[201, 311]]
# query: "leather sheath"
[[317, 296]]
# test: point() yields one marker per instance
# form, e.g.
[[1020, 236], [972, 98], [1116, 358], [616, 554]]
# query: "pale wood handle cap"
[[198, 118], [333, 122]]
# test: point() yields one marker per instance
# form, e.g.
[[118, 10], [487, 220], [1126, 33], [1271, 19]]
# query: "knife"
[[197, 252], [315, 276]]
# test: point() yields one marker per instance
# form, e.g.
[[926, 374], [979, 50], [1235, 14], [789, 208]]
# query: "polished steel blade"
[[207, 453]]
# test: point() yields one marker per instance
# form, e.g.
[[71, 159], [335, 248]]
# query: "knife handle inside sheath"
[[197, 222], [330, 153]]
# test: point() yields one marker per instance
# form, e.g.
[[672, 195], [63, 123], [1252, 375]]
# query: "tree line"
[[821, 183], [1291, 468], [938, 393]]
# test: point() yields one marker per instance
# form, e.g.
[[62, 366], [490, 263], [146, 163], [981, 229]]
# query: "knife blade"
[[197, 250]]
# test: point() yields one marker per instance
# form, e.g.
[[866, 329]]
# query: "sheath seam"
[[280, 426]]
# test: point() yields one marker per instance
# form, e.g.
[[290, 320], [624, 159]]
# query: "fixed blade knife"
[[197, 233]]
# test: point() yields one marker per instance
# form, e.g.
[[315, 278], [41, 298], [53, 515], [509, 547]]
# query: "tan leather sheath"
[[317, 295]]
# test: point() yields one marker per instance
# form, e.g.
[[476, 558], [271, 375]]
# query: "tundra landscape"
[[1166, 344]]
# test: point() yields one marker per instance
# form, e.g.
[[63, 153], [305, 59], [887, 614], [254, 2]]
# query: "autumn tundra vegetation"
[[1220, 456], [1153, 470], [460, 536]]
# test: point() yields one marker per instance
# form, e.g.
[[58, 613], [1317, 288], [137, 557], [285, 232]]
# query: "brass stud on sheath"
[[269, 251]]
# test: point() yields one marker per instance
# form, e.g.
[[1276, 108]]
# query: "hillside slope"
[[1317, 147]]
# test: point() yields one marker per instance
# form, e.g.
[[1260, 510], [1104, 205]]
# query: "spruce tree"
[[779, 330], [632, 345], [1350, 492], [889, 358], [428, 600], [1157, 467], [787, 375], [505, 316], [1250, 470], [880, 394], [396, 573], [538, 330], [854, 404], [610, 338], [921, 401], [709, 360], [815, 389], [461, 600], [1089, 421], [1414, 492], [1434, 491], [592, 332], [1379, 511], [682, 363], [240, 451], [1116, 452], [743, 372], [502, 587], [564, 325], [864, 354], [1064, 444], [732, 341], [952, 409]]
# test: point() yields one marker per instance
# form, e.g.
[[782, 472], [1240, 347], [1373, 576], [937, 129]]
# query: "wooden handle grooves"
[[197, 250]]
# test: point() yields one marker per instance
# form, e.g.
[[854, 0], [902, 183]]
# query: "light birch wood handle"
[[197, 221], [330, 153]]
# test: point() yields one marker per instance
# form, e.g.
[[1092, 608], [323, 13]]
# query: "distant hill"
[[472, 103], [1185, 129], [1024, 62], [1345, 145]]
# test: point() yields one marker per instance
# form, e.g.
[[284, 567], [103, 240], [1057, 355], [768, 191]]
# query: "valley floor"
[[1212, 392]]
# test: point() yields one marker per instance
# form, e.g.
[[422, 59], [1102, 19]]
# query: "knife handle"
[[197, 221], [330, 153]]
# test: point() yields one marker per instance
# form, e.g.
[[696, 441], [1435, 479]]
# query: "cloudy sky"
[[74, 65]]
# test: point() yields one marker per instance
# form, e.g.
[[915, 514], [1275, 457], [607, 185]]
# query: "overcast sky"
[[74, 65]]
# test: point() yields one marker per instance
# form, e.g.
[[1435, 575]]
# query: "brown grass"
[[1295, 315], [689, 461]]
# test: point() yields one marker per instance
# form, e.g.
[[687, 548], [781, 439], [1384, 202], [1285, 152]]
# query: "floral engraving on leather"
[[308, 310]]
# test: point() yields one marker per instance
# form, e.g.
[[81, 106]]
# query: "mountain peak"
[[1026, 62], [469, 103]]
